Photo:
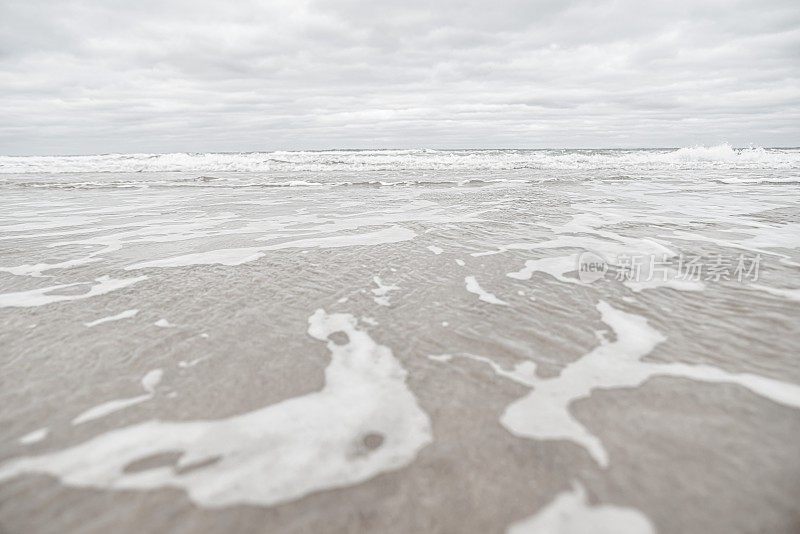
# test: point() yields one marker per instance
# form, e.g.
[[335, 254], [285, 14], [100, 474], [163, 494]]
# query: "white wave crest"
[[724, 153], [720, 156]]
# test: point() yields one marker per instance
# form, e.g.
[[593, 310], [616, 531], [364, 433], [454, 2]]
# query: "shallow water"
[[401, 341]]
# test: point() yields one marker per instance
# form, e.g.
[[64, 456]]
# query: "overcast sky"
[[81, 77]]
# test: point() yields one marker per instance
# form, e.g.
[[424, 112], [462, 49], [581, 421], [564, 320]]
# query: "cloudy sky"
[[80, 77]]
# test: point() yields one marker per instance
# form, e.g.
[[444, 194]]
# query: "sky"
[[88, 77]]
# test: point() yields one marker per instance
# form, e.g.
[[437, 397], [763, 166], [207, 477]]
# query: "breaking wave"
[[721, 156]]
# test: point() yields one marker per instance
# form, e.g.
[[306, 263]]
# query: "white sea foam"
[[229, 256], [149, 383], [238, 256], [523, 373], [183, 364], [381, 292], [34, 437], [791, 294], [544, 413], [127, 314], [474, 287], [571, 513], [151, 380], [42, 296], [37, 269], [436, 250], [107, 408], [616, 250], [314, 230], [365, 421], [46, 223], [721, 156], [555, 266], [764, 239]]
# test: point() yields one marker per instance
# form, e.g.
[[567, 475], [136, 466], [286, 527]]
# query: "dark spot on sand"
[[340, 338], [373, 440], [200, 464], [154, 461]]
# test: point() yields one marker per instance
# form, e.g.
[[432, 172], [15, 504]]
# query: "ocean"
[[401, 341]]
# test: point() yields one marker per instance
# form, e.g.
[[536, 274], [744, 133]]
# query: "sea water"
[[401, 340]]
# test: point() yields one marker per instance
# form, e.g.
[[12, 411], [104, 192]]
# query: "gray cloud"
[[90, 77]]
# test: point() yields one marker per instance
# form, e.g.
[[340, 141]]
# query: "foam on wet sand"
[[149, 383], [474, 287], [43, 296], [238, 256], [570, 513], [365, 421], [544, 413], [34, 437], [381, 292], [127, 314]]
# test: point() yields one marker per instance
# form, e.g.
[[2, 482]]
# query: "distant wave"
[[721, 156], [52, 181]]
